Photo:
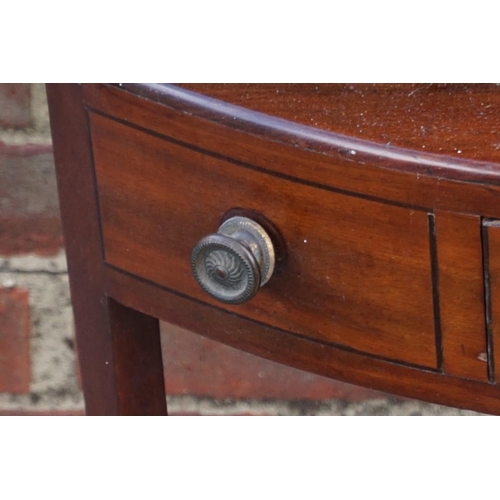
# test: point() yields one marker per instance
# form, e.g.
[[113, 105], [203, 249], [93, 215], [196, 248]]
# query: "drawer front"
[[491, 237], [358, 272]]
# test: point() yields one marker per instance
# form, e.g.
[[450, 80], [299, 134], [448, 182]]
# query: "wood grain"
[[118, 348], [492, 277], [358, 273], [404, 177], [300, 352], [457, 120], [386, 271], [461, 294]]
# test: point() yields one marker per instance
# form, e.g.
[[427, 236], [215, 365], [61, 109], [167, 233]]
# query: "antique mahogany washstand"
[[347, 230]]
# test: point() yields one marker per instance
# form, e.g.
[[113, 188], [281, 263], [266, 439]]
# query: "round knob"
[[234, 263]]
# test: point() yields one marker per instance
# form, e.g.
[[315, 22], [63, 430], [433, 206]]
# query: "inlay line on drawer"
[[358, 272]]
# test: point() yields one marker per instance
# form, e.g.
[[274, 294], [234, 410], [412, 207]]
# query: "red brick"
[[36, 234], [15, 105], [201, 367], [41, 413], [15, 365], [25, 149], [29, 210]]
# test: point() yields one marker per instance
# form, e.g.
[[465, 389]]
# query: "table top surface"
[[458, 120]]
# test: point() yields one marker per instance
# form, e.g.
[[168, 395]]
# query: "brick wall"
[[38, 372]]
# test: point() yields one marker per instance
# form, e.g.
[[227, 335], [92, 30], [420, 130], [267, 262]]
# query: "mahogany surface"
[[391, 274], [118, 348], [491, 238], [461, 295], [459, 120], [306, 354], [352, 264]]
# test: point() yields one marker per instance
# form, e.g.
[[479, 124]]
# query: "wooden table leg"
[[120, 362], [118, 348]]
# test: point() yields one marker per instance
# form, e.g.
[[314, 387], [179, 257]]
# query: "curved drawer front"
[[358, 271]]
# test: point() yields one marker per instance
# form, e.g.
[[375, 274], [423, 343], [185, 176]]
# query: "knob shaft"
[[232, 264]]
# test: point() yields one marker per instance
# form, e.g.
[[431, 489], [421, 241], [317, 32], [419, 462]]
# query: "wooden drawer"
[[358, 272]]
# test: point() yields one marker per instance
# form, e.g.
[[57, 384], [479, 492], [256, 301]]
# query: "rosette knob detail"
[[232, 264]]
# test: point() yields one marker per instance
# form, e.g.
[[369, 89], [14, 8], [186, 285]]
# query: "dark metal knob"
[[234, 263]]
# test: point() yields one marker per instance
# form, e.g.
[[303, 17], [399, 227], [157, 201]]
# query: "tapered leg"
[[119, 348], [120, 362]]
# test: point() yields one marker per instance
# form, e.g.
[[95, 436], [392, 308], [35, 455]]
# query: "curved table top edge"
[[319, 140]]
